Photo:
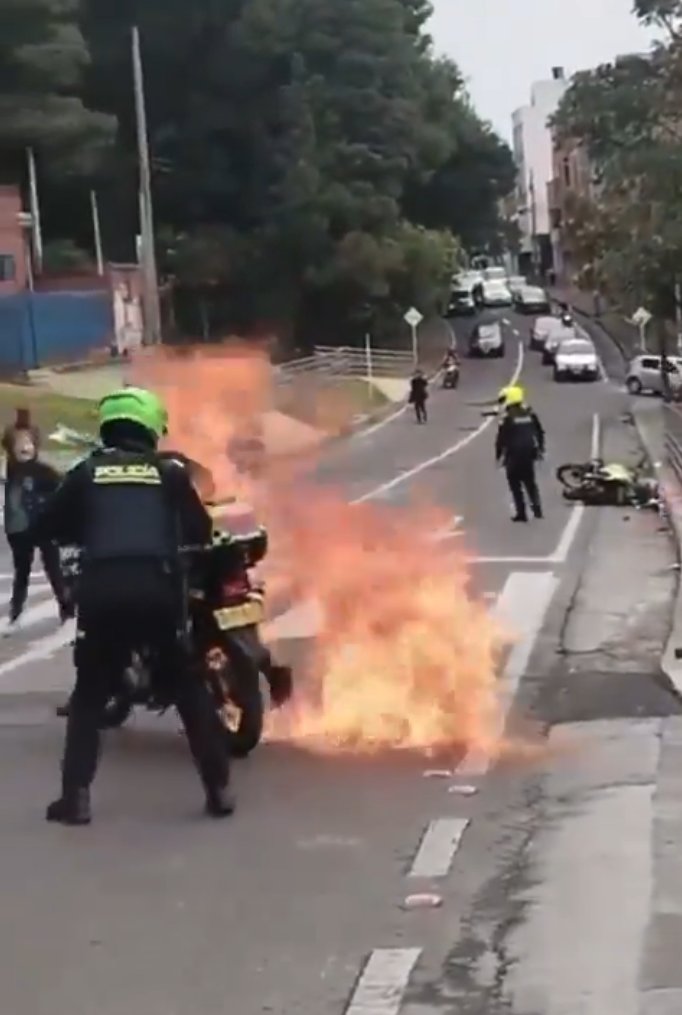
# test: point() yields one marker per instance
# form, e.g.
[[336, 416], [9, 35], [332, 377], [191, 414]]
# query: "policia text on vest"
[[137, 473]]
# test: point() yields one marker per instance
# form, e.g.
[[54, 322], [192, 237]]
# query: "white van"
[[644, 374]]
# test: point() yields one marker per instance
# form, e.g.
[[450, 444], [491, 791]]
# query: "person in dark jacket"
[[520, 443], [419, 393], [131, 510], [28, 484]]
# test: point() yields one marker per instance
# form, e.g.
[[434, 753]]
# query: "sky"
[[502, 46]]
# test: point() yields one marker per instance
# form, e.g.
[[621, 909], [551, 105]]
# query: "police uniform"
[[520, 442], [130, 511]]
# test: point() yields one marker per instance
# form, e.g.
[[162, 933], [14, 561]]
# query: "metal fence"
[[330, 362]]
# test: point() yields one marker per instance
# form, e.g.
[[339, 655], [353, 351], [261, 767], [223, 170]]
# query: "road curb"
[[670, 665]]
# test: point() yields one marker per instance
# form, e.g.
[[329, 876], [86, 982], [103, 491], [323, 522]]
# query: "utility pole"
[[152, 310], [94, 206], [36, 227]]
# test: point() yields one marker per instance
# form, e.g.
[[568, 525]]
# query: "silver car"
[[644, 374], [541, 330], [576, 358]]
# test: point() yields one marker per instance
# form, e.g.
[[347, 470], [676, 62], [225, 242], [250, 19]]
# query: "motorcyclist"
[[519, 444], [130, 510]]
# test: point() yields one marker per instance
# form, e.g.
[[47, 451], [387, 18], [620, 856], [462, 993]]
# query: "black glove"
[[281, 683]]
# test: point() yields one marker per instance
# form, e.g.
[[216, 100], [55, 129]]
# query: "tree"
[[295, 143], [629, 239], [42, 60]]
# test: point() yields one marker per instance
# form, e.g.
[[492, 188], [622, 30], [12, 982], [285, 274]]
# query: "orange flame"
[[406, 656]]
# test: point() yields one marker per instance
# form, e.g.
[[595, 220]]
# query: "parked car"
[[644, 374], [495, 273], [496, 293], [487, 340], [541, 329], [562, 333], [576, 358], [461, 302], [531, 300], [516, 283]]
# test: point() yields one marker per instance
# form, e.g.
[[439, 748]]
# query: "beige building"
[[572, 182]]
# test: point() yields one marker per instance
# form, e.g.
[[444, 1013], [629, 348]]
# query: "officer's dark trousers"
[[522, 484], [420, 410], [122, 609]]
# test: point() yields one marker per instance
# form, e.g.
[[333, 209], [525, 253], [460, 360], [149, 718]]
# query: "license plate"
[[230, 617]]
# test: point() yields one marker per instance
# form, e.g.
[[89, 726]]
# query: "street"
[[541, 869]]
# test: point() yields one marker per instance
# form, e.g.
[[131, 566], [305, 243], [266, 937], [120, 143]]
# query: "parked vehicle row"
[[566, 347]]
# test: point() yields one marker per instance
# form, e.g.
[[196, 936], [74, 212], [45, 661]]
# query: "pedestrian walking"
[[519, 445], [419, 393], [28, 484]]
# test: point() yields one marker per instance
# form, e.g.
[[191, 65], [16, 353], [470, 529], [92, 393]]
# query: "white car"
[[516, 283], [576, 358], [496, 294], [562, 333], [644, 374], [542, 328], [495, 274]]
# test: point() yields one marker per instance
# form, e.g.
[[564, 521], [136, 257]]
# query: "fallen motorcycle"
[[226, 608], [599, 483]]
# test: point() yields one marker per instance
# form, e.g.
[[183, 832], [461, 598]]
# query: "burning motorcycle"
[[608, 483], [226, 609]]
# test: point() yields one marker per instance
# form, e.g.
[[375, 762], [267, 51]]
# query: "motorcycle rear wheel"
[[242, 717]]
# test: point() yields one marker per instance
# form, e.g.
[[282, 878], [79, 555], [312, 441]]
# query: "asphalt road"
[[295, 905]]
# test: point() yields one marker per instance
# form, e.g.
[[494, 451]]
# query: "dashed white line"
[[438, 847], [383, 982]]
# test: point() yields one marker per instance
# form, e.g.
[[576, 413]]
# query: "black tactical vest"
[[130, 512]]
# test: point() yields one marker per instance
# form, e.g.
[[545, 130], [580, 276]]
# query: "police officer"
[[520, 443], [130, 510]]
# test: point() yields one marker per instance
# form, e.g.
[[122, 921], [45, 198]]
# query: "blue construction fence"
[[37, 329]]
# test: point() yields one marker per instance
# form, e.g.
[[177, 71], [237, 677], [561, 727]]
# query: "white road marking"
[[520, 609], [567, 536], [427, 463], [47, 610], [438, 847], [49, 679], [383, 982]]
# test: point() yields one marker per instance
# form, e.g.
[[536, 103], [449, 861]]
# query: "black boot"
[[72, 808], [220, 802]]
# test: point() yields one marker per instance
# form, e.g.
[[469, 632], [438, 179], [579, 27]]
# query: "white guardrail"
[[332, 362]]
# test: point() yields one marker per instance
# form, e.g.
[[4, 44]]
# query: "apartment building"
[[534, 157]]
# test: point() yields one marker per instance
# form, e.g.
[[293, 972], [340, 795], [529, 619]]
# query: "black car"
[[531, 300], [461, 303]]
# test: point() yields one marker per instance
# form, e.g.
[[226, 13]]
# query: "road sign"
[[413, 317], [641, 317]]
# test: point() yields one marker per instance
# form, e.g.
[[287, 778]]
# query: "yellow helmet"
[[512, 395]]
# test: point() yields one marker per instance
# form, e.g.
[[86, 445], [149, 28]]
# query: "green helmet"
[[137, 405]]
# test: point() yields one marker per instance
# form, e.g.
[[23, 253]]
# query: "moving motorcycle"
[[608, 483], [451, 375]]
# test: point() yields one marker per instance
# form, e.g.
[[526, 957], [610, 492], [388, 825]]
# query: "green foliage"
[[629, 238], [310, 158], [42, 59]]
